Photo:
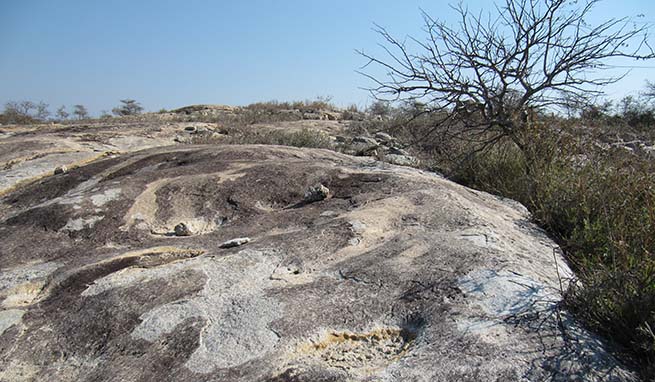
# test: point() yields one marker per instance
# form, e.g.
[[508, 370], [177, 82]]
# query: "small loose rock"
[[182, 230], [61, 170], [235, 242], [316, 193]]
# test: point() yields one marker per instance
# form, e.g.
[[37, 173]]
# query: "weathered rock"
[[363, 145], [207, 109], [400, 276], [182, 230], [384, 138], [235, 242], [61, 170], [331, 116], [308, 115], [398, 151], [316, 193], [400, 160], [365, 140]]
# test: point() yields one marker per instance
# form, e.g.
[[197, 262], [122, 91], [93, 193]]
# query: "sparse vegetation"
[[591, 186], [380, 108], [484, 103], [600, 205], [489, 77], [80, 112], [24, 112], [127, 107], [61, 113], [104, 114], [244, 135]]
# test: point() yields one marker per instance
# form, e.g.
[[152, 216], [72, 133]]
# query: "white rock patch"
[[9, 318], [82, 223], [100, 200], [232, 304], [11, 277], [502, 293]]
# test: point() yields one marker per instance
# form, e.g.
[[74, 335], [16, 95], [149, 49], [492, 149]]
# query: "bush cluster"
[[596, 200], [245, 135]]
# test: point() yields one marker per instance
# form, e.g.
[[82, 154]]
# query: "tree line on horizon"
[[33, 112]]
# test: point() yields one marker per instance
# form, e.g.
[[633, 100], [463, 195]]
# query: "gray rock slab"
[[400, 275]]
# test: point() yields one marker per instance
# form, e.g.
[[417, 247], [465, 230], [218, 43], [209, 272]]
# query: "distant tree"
[[638, 112], [18, 112], [128, 107], [80, 112], [41, 111], [61, 113], [649, 92], [596, 112], [25, 112], [380, 108], [105, 114], [628, 105]]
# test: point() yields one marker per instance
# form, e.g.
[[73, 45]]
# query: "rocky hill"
[[131, 253]]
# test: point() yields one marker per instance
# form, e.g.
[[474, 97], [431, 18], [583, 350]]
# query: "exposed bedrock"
[[212, 263]]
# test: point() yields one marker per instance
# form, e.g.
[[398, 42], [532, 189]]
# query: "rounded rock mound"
[[122, 268]]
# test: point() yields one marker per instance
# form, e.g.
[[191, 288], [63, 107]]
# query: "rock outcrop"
[[398, 275]]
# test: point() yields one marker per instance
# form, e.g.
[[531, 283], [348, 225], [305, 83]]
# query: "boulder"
[[384, 138], [331, 116], [363, 145], [397, 151], [313, 116], [182, 230], [401, 275], [316, 193], [400, 160], [60, 170]]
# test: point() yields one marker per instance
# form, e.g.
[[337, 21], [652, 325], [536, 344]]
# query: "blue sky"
[[169, 54]]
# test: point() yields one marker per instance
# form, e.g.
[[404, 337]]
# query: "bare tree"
[[128, 107], [26, 111], [61, 113], [649, 92], [80, 112], [41, 111], [18, 112], [495, 72]]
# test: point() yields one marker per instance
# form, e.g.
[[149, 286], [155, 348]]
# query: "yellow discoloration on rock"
[[359, 353], [14, 161], [164, 253], [19, 371], [23, 294]]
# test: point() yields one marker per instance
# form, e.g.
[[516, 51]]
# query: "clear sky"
[[168, 54]]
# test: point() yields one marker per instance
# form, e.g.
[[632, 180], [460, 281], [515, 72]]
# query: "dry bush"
[[244, 135]]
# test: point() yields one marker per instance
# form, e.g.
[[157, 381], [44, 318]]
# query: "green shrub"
[[599, 204]]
